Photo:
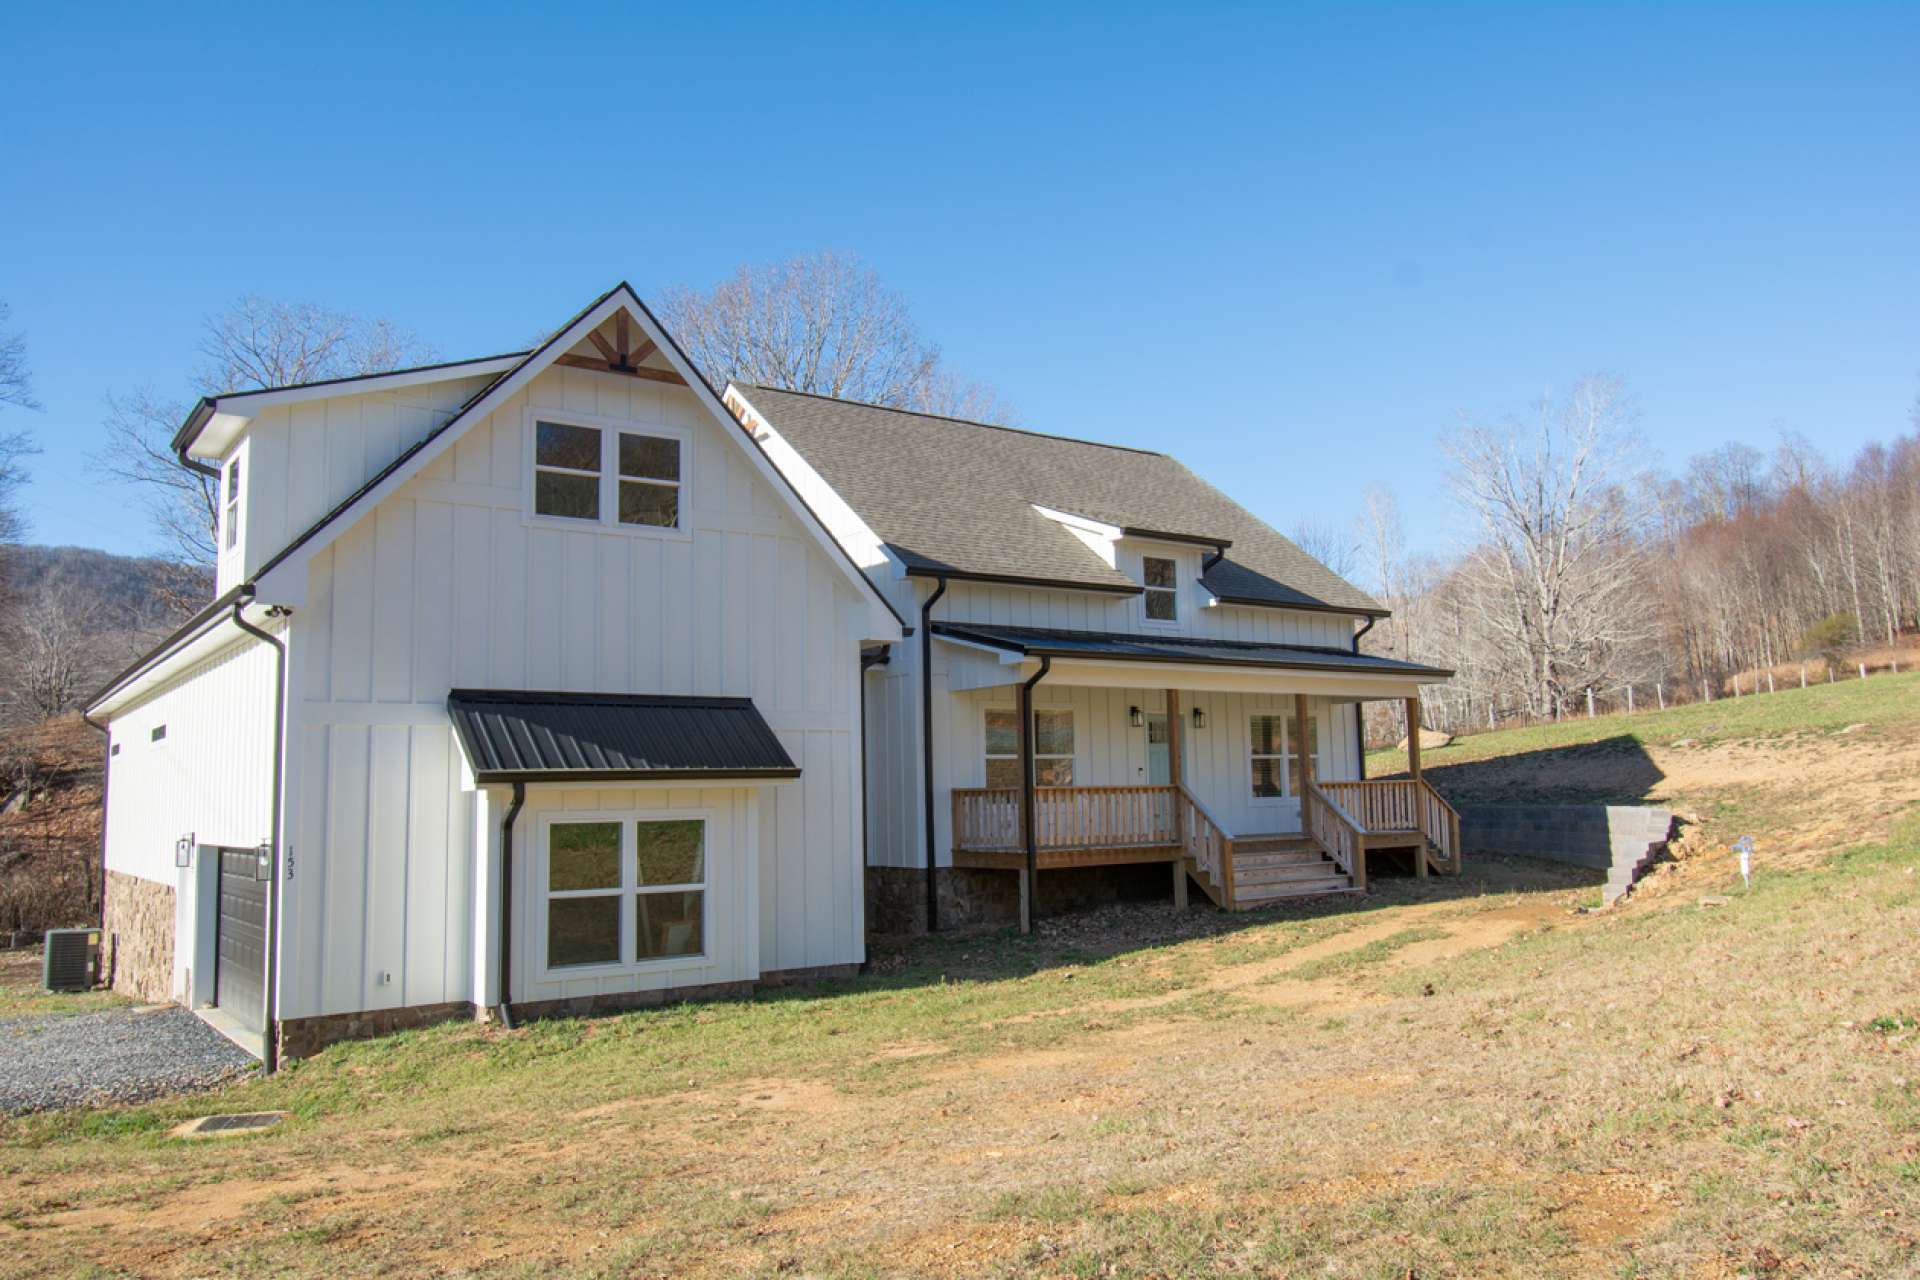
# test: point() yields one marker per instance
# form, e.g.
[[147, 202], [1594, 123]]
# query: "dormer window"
[[1162, 582], [230, 513]]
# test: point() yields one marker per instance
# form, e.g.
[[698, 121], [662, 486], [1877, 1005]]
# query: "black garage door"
[[239, 978]]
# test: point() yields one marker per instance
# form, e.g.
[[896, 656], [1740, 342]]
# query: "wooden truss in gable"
[[620, 355]]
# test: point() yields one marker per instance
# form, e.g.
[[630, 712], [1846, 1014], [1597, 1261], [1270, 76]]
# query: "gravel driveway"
[[57, 1060]]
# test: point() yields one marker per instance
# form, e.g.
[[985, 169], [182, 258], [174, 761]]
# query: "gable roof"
[[417, 456], [952, 496]]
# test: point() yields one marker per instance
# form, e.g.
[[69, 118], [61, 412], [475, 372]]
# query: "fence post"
[[1803, 675], [1706, 692], [1629, 699], [1589, 702], [1863, 671], [1660, 692], [1770, 688], [1490, 723]]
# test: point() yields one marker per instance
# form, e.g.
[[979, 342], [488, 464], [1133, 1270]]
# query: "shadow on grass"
[[1614, 770]]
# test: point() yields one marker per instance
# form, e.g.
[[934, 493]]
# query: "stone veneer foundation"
[[137, 920]]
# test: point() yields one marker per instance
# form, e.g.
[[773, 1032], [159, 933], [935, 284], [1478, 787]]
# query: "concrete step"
[[1251, 894], [1319, 869]]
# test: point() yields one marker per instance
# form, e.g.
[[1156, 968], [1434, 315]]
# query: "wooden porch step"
[[1251, 895], [1286, 858], [1318, 869], [1274, 844]]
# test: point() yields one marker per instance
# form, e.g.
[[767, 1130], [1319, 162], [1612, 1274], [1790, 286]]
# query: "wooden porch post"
[[1303, 748], [1173, 779], [1413, 738]]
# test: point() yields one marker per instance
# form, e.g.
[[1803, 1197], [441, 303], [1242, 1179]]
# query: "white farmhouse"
[[555, 681]]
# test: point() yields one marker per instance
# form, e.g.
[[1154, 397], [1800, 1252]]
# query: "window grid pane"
[[642, 502], [559, 494], [1161, 607], [649, 457], [557, 444], [583, 930], [1159, 573], [669, 924], [583, 855], [670, 852]]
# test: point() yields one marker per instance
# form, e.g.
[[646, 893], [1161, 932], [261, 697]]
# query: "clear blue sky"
[[1291, 245]]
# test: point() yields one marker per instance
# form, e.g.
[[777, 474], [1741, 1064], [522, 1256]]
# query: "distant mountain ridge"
[[133, 593]]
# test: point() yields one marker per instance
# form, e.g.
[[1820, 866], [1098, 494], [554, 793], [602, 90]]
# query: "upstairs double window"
[[1161, 577], [608, 475]]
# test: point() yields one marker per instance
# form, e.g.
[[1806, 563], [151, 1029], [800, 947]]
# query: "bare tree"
[[255, 343], [16, 386], [822, 323], [58, 647], [1326, 542], [1556, 572]]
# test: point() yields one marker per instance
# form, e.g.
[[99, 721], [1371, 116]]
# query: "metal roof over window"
[[514, 736]]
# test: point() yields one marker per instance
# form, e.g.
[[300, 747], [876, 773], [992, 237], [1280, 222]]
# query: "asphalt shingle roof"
[[510, 736], [944, 493]]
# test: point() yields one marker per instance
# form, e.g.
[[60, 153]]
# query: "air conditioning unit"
[[72, 960]]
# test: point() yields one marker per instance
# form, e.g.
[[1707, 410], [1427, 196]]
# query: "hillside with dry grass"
[[1471, 1077]]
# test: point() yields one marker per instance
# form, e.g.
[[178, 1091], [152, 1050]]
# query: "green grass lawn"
[[1819, 709], [1452, 1077]]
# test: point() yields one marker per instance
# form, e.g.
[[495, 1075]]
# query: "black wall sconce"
[[1136, 717], [1199, 717]]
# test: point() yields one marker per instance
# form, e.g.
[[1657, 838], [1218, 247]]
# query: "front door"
[[240, 955], [1159, 772]]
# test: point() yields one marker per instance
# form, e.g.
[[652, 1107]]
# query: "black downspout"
[[106, 775], [926, 747], [1359, 716], [271, 1047], [1026, 789], [506, 903]]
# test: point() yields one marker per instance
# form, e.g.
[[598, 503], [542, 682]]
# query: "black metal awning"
[[1119, 647], [514, 736]]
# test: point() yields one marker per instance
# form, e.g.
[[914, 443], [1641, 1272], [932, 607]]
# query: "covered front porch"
[[1244, 781]]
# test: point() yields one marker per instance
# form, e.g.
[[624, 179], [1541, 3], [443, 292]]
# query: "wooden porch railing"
[[1401, 805], [1339, 832], [1207, 846], [987, 819]]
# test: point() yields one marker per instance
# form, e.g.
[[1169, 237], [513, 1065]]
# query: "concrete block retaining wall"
[[1617, 839]]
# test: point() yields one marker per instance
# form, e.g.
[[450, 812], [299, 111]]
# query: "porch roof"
[[1089, 650], [510, 735]]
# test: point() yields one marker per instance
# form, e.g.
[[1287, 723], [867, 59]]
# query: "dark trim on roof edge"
[[1013, 580], [188, 429], [637, 775], [960, 631], [183, 634], [1314, 606], [1161, 535]]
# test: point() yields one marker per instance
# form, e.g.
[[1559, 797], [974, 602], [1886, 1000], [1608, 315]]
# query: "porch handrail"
[[987, 819], [1402, 804], [1206, 843], [1339, 832]]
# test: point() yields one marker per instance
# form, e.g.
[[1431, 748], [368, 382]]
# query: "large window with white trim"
[[1274, 745], [624, 890], [607, 475], [230, 509], [1161, 578], [1052, 747]]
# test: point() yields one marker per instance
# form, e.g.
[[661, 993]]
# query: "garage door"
[[239, 976]]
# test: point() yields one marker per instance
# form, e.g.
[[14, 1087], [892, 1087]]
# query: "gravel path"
[[49, 1061]]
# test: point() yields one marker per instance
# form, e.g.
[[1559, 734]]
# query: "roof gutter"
[[189, 432]]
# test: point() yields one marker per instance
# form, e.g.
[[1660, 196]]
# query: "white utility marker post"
[[1660, 692], [1770, 688], [1629, 699], [1589, 702], [1744, 847]]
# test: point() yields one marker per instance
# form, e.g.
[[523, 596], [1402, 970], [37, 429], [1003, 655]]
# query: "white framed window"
[[1267, 751], [1161, 577], [1052, 746], [613, 474], [1274, 753], [230, 509], [619, 890]]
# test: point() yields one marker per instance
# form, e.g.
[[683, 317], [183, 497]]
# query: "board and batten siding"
[[448, 583], [1108, 751], [300, 461]]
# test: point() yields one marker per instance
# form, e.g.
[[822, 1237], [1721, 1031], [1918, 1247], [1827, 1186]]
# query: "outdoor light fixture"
[[1135, 717], [183, 851], [1199, 718], [263, 865]]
